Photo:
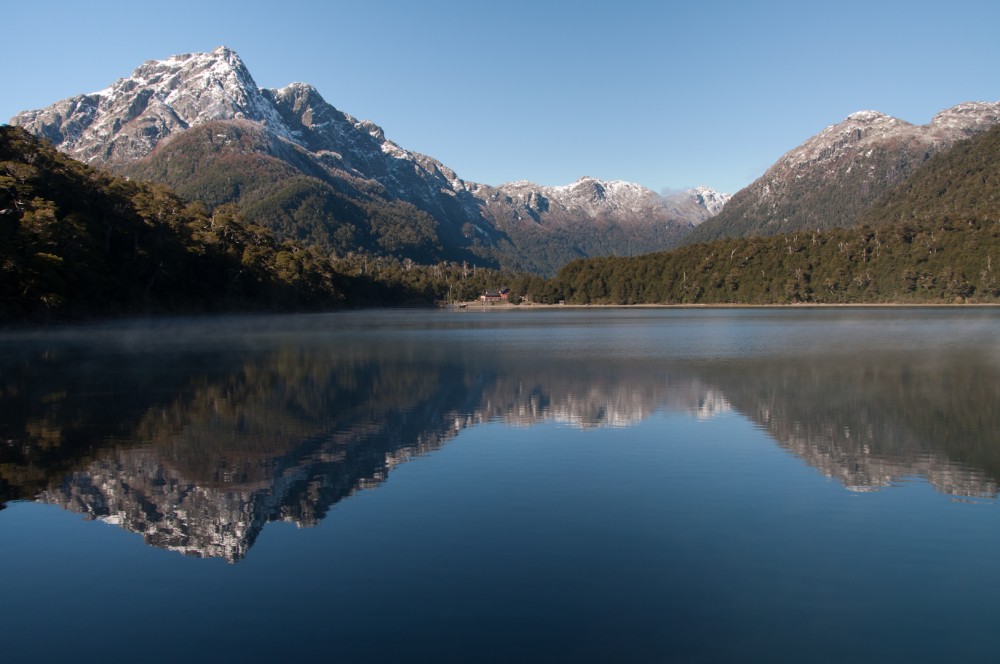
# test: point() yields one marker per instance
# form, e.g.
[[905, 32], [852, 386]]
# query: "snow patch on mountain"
[[125, 122], [594, 199], [861, 131], [968, 118], [832, 177]]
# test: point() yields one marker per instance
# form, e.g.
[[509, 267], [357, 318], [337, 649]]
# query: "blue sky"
[[667, 94]]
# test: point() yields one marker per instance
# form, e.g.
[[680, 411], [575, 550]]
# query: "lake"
[[627, 485]]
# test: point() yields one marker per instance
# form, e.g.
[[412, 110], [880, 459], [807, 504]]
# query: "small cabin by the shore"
[[493, 296]]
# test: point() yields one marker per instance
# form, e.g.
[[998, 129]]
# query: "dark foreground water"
[[569, 485]]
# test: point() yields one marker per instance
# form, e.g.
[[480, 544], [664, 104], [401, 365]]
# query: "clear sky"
[[666, 94]]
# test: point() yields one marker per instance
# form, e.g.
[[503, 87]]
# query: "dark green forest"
[[933, 239], [279, 188], [945, 262], [76, 242]]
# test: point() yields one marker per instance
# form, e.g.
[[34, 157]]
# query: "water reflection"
[[870, 419], [197, 441]]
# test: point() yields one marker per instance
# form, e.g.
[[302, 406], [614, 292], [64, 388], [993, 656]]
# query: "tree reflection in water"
[[198, 441]]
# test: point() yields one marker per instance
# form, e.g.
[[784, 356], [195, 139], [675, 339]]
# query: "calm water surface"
[[560, 485]]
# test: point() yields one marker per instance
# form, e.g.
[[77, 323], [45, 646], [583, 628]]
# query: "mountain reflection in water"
[[196, 441]]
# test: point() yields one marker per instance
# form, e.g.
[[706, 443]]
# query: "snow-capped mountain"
[[697, 204], [135, 119], [126, 120], [589, 199], [831, 178], [865, 131]]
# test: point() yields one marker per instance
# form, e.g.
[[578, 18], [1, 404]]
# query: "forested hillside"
[[78, 242], [933, 239], [832, 179], [235, 162], [961, 184], [305, 170], [945, 262]]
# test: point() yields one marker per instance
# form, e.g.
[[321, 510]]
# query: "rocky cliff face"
[[589, 199], [830, 180], [128, 122]]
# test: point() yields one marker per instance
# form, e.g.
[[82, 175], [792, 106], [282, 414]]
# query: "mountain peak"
[[126, 120], [220, 66], [354, 169], [868, 116], [712, 200], [696, 204], [298, 89], [219, 54], [831, 178], [974, 116], [225, 52]]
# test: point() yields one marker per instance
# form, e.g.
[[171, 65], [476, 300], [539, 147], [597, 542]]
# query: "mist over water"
[[516, 473]]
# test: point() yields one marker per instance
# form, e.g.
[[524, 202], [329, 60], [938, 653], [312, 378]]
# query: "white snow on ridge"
[[867, 116], [871, 127], [596, 198], [126, 120]]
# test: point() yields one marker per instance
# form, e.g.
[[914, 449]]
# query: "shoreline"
[[484, 306], [14, 326]]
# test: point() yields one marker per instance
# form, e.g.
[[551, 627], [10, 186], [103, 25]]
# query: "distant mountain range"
[[929, 240], [308, 171], [293, 162]]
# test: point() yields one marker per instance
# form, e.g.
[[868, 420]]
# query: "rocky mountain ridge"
[[135, 119], [832, 178], [868, 130]]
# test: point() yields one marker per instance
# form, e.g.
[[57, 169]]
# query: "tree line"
[[78, 242], [927, 262], [934, 238]]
